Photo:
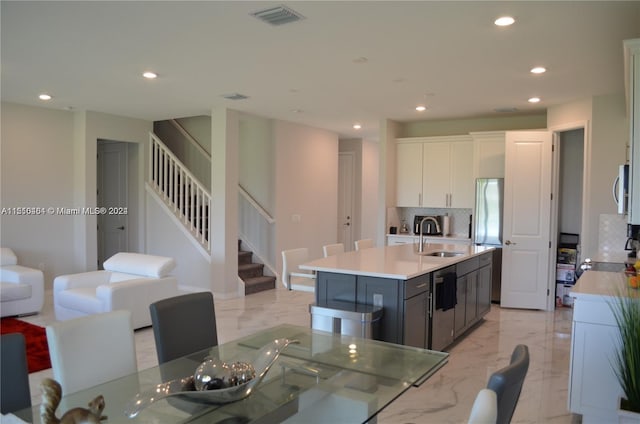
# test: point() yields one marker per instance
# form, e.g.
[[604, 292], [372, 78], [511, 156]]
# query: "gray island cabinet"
[[410, 288]]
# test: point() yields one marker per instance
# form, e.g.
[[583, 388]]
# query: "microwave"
[[621, 189]]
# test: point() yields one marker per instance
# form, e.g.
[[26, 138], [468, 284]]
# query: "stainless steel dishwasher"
[[442, 318]]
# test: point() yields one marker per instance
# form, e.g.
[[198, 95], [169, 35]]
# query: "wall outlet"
[[377, 299], [295, 218]]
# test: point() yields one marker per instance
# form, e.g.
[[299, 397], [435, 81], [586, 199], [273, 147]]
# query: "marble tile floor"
[[447, 396]]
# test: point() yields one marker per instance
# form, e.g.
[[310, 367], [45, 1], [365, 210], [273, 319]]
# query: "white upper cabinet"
[[462, 182], [436, 177], [488, 154], [409, 174], [435, 172]]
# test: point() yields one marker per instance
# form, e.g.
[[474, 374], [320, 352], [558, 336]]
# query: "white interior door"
[[346, 185], [527, 220], [112, 196]]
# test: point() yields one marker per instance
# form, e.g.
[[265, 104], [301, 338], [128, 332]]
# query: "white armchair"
[[130, 281], [21, 288]]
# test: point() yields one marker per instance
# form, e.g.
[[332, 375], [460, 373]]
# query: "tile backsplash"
[[612, 232], [458, 221]]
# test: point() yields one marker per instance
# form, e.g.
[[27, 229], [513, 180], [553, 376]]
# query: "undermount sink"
[[442, 254]]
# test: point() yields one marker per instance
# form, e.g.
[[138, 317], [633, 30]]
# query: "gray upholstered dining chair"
[[507, 383], [183, 324], [14, 372]]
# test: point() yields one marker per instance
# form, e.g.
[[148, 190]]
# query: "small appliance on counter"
[[633, 241], [431, 227]]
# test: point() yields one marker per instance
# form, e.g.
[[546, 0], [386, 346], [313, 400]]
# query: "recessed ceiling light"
[[421, 108], [538, 70], [150, 75], [357, 126], [534, 100], [504, 21], [44, 96]]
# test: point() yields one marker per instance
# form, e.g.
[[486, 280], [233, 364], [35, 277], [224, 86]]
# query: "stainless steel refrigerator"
[[488, 225]]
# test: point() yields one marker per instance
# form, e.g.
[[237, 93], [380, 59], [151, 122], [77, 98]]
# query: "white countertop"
[[599, 285], [399, 262]]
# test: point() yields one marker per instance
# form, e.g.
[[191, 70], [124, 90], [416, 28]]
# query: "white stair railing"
[[184, 194]]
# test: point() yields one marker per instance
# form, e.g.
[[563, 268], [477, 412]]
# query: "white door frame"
[[585, 230]]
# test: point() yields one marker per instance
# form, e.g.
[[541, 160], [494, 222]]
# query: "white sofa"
[[21, 288], [130, 281]]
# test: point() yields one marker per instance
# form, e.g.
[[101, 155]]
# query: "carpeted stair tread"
[[258, 284], [244, 257], [253, 273]]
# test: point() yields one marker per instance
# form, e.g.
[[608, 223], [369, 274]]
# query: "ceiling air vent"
[[507, 109], [235, 96], [278, 15]]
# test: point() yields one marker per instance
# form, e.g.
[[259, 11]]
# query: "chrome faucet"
[[426, 218]]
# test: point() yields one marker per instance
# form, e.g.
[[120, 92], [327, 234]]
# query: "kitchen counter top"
[[399, 262], [598, 285]]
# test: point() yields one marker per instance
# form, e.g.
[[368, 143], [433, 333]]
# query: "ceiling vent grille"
[[235, 96], [507, 109], [278, 15]]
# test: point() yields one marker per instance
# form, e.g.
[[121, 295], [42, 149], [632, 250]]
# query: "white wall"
[[306, 182], [257, 159], [91, 127], [37, 170], [607, 134], [48, 159], [192, 264]]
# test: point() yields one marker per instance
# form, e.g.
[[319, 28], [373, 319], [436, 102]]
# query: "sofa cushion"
[[80, 299], [140, 264], [10, 292], [7, 257]]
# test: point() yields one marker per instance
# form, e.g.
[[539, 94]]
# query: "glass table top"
[[324, 378]]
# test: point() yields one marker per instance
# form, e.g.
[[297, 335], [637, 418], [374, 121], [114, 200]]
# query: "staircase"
[[190, 202], [253, 273]]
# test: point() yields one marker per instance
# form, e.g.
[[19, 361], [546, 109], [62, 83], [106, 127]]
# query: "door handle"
[[120, 228], [347, 224], [509, 242]]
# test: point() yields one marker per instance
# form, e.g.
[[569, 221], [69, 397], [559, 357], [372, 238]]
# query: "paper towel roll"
[[446, 222]]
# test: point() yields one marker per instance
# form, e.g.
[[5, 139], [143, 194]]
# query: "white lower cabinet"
[[593, 386]]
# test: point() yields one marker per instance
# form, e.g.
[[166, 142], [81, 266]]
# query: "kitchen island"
[[429, 298], [593, 387]]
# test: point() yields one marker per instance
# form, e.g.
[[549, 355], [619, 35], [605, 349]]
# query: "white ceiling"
[[447, 55]]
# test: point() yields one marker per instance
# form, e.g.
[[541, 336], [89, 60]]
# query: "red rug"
[[36, 338]]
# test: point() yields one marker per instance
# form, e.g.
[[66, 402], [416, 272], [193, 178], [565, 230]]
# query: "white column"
[[224, 208]]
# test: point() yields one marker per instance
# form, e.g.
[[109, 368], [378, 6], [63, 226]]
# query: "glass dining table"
[[323, 378]]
